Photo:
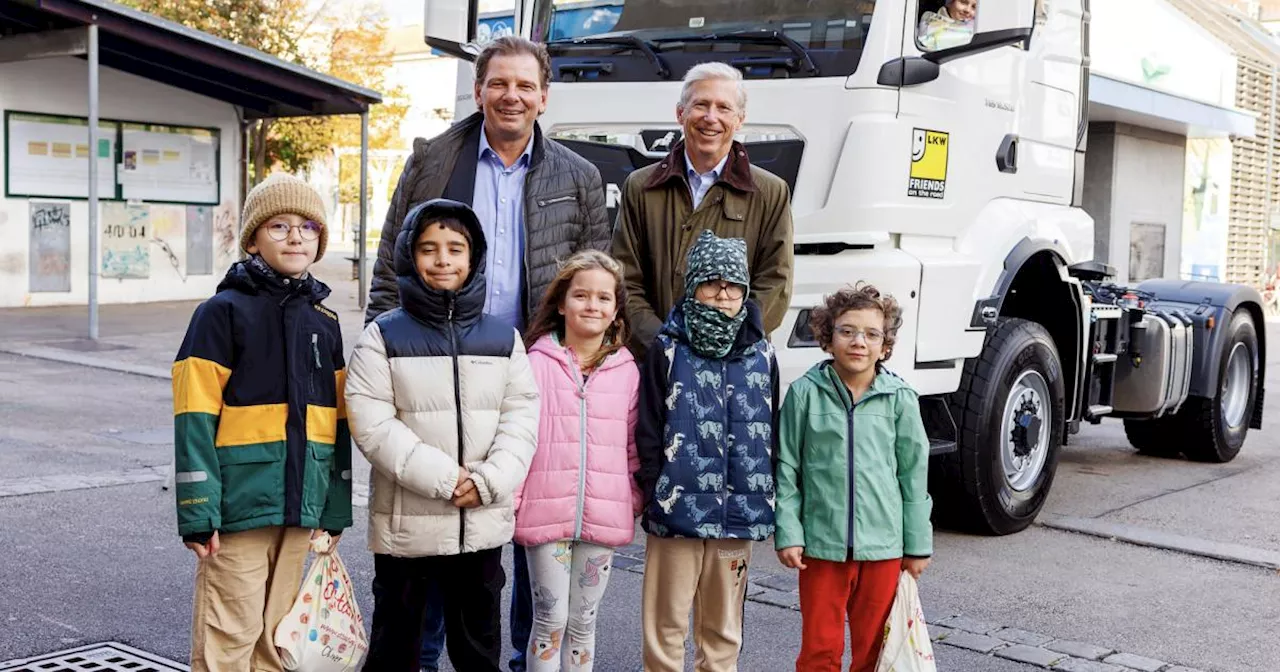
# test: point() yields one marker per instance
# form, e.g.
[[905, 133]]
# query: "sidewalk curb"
[[1141, 536], [54, 355]]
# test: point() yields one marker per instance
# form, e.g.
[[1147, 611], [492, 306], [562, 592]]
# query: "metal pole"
[[95, 262], [364, 205]]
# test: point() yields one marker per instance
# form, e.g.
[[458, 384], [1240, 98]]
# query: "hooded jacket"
[[260, 430], [581, 484], [435, 385], [705, 435], [853, 478]]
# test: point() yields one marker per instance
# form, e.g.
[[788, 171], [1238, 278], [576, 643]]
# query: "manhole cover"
[[108, 657]]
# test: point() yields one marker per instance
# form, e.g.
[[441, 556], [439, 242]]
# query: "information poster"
[[126, 245], [49, 156], [169, 163]]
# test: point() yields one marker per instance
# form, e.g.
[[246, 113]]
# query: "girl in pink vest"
[[580, 499]]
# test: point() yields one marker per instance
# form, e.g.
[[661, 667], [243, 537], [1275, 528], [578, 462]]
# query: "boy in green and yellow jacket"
[[262, 450], [852, 471]]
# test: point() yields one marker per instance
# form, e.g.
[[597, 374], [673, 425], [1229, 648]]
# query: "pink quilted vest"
[[581, 483]]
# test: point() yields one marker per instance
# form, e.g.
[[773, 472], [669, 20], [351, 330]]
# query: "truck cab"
[[941, 160]]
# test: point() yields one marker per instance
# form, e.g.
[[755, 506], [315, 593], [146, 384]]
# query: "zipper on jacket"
[[542, 203], [724, 397], [582, 444], [853, 490], [315, 353], [457, 400]]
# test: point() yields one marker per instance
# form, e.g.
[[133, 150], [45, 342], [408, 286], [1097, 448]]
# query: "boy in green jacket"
[[262, 449], [853, 507]]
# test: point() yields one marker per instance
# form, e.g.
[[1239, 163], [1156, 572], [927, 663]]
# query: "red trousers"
[[830, 592]]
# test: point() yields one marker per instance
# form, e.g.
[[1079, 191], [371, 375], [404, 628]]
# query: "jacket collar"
[[550, 346], [433, 306], [475, 123], [824, 375], [736, 173], [253, 276], [752, 330]]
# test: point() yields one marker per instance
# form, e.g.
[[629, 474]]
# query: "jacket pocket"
[[315, 479], [549, 201], [252, 481]]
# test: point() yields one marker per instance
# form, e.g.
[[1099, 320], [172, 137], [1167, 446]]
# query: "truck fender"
[[1201, 301], [985, 311]]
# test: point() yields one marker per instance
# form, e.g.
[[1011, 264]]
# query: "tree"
[[347, 42]]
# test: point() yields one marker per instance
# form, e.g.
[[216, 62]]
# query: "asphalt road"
[[90, 565]]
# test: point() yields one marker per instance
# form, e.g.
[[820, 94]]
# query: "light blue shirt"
[[700, 184], [499, 203]]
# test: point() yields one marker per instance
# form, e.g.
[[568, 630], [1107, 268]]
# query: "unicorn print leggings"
[[567, 579]]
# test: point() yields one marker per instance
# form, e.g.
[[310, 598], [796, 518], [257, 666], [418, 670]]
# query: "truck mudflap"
[[1202, 302]]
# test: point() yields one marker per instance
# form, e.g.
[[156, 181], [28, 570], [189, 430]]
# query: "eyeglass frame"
[[724, 287], [869, 336], [302, 228]]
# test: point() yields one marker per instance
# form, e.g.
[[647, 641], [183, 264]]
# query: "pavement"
[[1114, 577]]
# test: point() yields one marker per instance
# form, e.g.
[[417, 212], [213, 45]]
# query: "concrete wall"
[[1133, 186], [60, 86]]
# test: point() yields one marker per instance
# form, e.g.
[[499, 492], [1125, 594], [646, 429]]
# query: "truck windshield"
[[763, 37]]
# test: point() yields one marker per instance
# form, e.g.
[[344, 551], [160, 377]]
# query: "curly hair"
[[548, 320], [862, 296]]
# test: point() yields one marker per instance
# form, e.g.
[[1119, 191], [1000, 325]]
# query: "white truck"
[[951, 179]]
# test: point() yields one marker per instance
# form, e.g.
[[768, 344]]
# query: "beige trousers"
[[709, 576], [242, 594]]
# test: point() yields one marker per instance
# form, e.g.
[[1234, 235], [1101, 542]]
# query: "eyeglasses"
[[849, 334], [713, 288], [279, 231]]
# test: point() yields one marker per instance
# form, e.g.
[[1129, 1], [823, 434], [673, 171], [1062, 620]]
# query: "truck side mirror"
[[450, 26]]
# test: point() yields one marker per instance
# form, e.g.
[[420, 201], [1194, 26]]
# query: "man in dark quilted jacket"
[[538, 203]]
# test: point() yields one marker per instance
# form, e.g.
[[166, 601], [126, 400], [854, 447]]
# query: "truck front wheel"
[[1214, 429], [1009, 411]]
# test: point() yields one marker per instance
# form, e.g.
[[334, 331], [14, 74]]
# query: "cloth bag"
[[906, 641], [324, 631]]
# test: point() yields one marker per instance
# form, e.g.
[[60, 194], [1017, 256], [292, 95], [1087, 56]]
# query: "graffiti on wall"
[[168, 228], [126, 243], [226, 234], [50, 264]]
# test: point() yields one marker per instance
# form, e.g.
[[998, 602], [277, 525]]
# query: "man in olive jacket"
[[563, 198], [707, 182]]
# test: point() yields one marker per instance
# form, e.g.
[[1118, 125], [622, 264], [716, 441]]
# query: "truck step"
[[941, 447], [1098, 410], [1104, 358]]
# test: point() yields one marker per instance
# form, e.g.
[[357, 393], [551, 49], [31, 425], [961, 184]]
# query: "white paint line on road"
[[36, 485], [56, 355], [1142, 536], [60, 624]]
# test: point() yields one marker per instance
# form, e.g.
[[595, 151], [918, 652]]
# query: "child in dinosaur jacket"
[[262, 452], [853, 506], [708, 399]]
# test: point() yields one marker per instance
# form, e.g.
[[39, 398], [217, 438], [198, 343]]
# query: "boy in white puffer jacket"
[[442, 402]]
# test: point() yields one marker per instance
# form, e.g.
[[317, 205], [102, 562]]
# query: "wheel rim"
[[1235, 392], [1024, 431]]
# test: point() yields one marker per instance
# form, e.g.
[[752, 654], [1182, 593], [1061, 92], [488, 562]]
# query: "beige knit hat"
[[279, 194]]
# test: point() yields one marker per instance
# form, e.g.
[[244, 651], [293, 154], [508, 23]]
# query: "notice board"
[[48, 156], [172, 164]]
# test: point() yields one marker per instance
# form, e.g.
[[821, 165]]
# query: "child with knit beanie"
[[704, 436], [262, 449]]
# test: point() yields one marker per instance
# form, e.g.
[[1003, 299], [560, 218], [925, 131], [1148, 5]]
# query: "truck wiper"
[[643, 46], [753, 37]]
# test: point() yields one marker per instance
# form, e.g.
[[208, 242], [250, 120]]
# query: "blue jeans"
[[521, 609], [521, 619]]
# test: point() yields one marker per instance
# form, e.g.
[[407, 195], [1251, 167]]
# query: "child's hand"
[[792, 557], [203, 551], [465, 496], [915, 566]]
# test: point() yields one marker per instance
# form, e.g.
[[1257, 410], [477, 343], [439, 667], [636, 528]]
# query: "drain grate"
[[105, 657]]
